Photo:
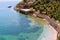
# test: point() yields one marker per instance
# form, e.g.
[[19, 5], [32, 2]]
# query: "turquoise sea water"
[[15, 26]]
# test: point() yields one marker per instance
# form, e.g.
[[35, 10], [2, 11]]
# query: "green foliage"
[[25, 0], [48, 7], [58, 37]]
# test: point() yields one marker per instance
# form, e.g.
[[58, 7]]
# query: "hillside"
[[46, 7]]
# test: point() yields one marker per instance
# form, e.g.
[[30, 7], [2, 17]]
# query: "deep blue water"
[[14, 23]]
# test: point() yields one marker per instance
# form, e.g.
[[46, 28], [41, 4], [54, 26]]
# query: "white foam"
[[49, 33]]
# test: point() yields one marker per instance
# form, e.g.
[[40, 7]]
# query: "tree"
[[25, 0]]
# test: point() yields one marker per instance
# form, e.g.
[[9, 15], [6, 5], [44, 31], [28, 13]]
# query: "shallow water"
[[16, 26]]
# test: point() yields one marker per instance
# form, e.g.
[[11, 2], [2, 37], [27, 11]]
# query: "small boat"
[[9, 6]]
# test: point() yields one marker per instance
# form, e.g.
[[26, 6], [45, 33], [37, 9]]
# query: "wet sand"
[[49, 32], [52, 22]]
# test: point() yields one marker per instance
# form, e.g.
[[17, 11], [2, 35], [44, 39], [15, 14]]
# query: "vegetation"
[[59, 38], [24, 0], [46, 7]]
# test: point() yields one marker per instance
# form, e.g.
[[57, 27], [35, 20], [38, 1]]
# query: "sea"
[[17, 26]]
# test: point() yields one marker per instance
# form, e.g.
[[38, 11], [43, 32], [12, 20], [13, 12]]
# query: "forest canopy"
[[46, 7]]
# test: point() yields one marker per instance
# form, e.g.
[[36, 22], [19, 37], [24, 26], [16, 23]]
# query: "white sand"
[[49, 33], [25, 10]]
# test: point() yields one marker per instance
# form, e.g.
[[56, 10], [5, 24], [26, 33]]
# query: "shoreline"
[[51, 21], [53, 33]]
